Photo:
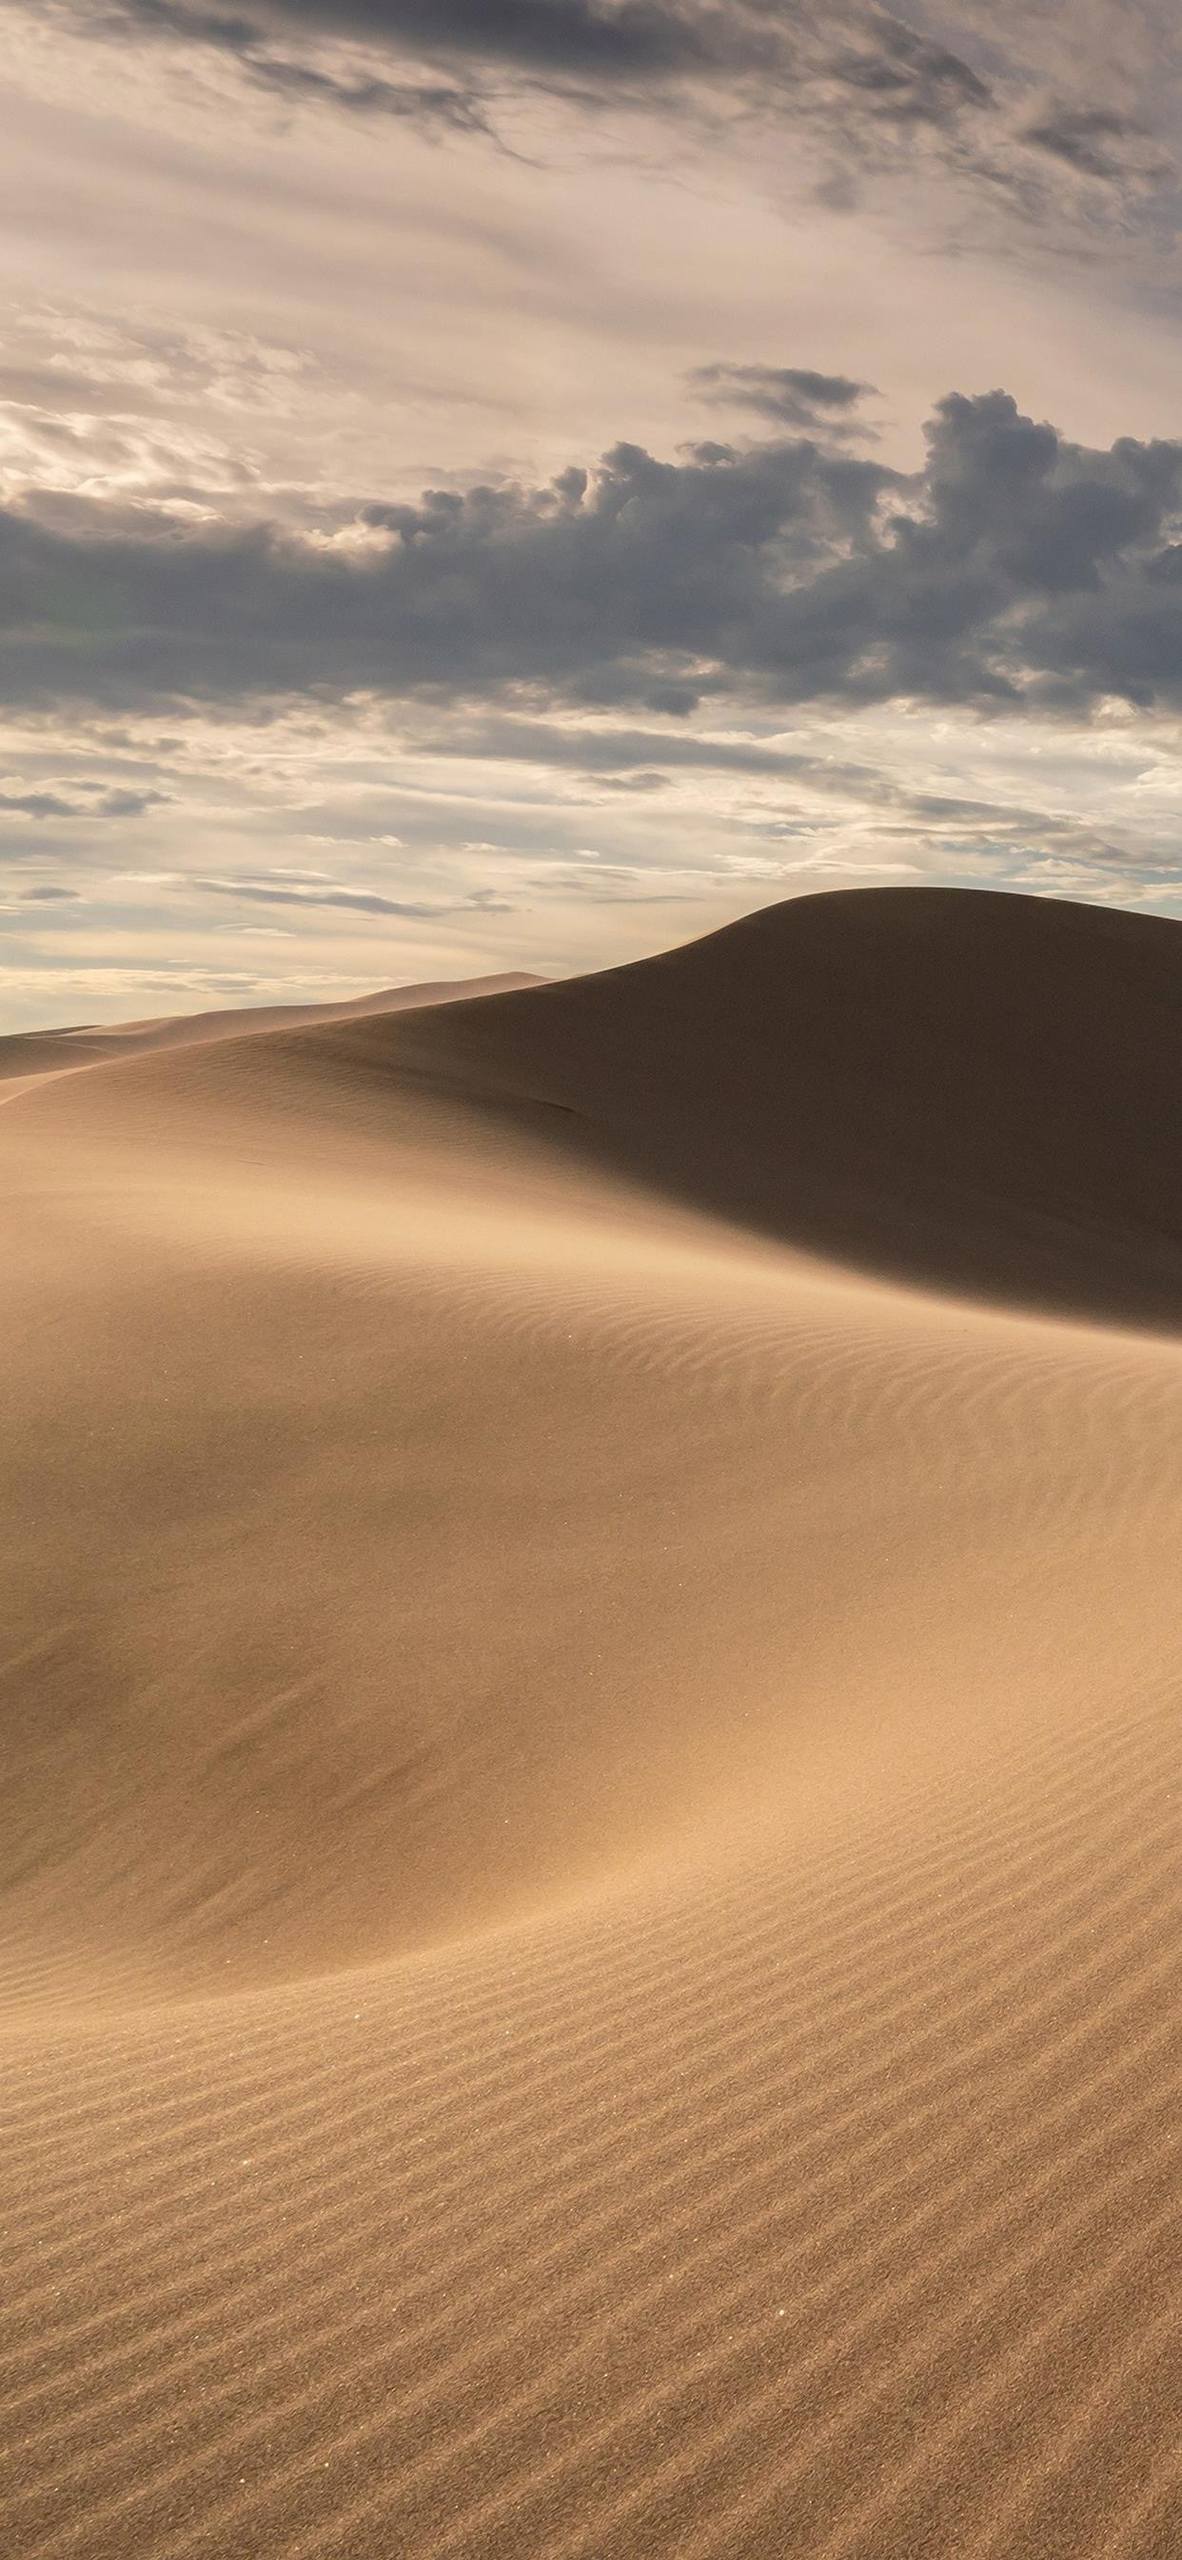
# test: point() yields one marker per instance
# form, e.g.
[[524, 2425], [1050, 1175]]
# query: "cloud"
[[423, 103], [617, 587], [1014, 105], [80, 804], [906, 75], [580, 43], [791, 395], [634, 753], [281, 889], [36, 804], [607, 39], [801, 57], [126, 804], [244, 35], [636, 782], [571, 38], [333, 52], [1097, 143], [50, 893], [1017, 569]]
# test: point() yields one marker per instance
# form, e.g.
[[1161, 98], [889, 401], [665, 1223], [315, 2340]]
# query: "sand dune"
[[24, 1054], [592, 1914]]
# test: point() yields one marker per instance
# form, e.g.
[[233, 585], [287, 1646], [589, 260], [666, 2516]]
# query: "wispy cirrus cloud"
[[1019, 105], [287, 889]]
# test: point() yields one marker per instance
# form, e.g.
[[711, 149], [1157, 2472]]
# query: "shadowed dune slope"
[[590, 1896], [974, 1089]]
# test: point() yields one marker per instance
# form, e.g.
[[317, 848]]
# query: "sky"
[[497, 484]]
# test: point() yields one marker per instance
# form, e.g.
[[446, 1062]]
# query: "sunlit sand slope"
[[24, 1054], [593, 1771]]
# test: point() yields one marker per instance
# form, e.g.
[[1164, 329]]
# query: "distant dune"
[[592, 1908], [27, 1053]]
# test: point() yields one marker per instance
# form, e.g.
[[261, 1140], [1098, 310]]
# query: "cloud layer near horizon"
[[1017, 569]]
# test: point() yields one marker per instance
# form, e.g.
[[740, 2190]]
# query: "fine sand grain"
[[592, 1787]]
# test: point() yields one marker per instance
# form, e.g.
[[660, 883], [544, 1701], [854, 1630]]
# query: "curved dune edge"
[[592, 1893], [27, 1056]]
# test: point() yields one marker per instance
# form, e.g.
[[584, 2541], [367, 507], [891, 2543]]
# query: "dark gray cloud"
[[1015, 569], [792, 395], [51, 893], [80, 804], [869, 88], [585, 43], [612, 588], [1096, 142], [581, 38], [36, 804], [420, 102], [602, 39], [905, 74], [850, 51]]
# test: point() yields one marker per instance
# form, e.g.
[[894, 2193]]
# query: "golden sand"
[[592, 1917]]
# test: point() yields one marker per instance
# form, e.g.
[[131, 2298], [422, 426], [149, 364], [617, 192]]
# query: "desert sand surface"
[[592, 1915]]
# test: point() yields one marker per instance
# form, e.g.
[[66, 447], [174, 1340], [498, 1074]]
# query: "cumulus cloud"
[[1016, 569]]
